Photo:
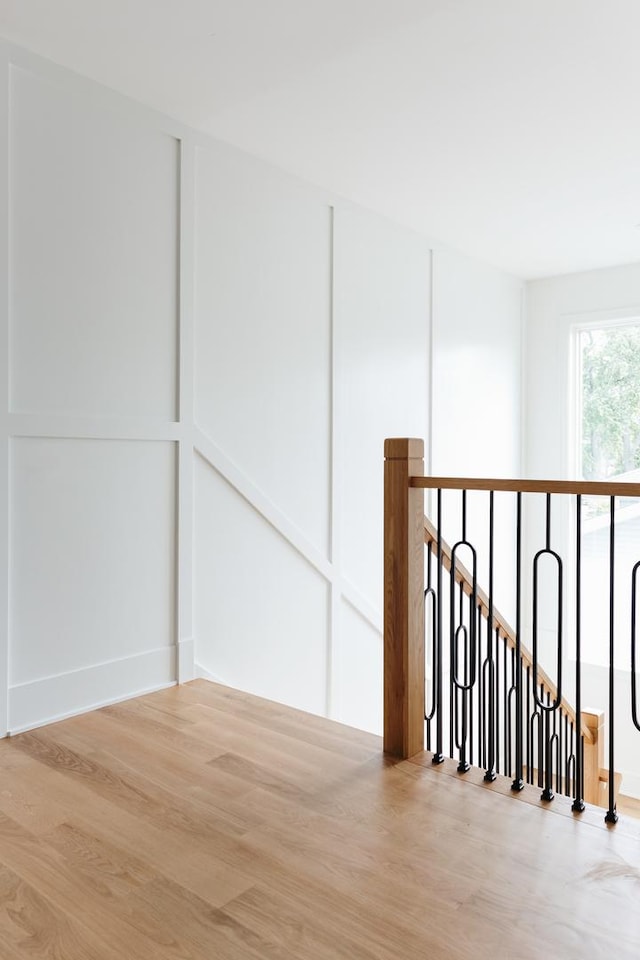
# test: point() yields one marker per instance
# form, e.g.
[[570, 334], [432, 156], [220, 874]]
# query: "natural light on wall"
[[608, 432]]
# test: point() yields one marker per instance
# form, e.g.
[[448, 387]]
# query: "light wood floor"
[[203, 824]]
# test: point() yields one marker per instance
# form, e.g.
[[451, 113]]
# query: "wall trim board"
[[5, 228], [73, 427], [185, 664], [44, 701], [212, 455], [333, 631], [185, 355]]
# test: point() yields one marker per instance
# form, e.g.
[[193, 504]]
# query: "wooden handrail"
[[606, 488], [464, 577]]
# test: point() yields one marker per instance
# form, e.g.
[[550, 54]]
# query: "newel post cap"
[[404, 448]]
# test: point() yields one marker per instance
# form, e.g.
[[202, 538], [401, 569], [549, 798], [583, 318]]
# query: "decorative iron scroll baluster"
[[570, 767], [472, 616], [461, 688], [511, 714], [548, 708], [490, 773], [430, 604], [438, 756], [494, 704]]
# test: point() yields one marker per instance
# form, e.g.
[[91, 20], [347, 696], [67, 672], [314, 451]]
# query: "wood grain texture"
[[200, 823], [403, 604], [593, 488]]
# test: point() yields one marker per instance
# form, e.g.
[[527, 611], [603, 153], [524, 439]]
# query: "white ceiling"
[[506, 128]]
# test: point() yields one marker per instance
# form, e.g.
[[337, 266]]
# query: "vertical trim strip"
[[5, 299], [334, 488], [184, 518]]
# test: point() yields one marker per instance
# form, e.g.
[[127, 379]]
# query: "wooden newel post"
[[403, 599]]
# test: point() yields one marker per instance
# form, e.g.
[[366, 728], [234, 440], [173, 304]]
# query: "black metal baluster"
[[611, 815], [438, 756], [482, 732], [565, 755], [529, 733], [578, 804], [472, 618], [572, 780], [518, 782], [634, 693], [431, 598], [510, 715], [490, 773], [461, 688], [541, 741], [481, 709], [557, 727], [506, 764], [497, 704], [548, 708]]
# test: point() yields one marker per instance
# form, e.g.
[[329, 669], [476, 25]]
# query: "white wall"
[[91, 338], [554, 307], [477, 369], [476, 409], [202, 358], [311, 337]]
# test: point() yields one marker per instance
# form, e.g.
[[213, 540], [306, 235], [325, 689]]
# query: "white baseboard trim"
[[186, 665], [69, 694]]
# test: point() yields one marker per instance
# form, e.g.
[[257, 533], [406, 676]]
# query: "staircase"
[[458, 676]]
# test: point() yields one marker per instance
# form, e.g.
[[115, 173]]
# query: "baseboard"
[[186, 665], [68, 694]]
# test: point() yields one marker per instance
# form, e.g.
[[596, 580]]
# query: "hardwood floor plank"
[[31, 927], [199, 823]]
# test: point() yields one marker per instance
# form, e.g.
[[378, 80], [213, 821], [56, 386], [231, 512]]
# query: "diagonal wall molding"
[[215, 458]]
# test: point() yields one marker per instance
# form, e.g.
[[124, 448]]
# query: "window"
[[608, 448]]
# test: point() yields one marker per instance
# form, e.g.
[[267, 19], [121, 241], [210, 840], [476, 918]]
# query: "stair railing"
[[489, 696]]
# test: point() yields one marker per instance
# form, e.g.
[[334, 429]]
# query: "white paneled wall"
[[261, 611], [202, 357], [311, 345], [263, 331], [382, 304], [92, 369]]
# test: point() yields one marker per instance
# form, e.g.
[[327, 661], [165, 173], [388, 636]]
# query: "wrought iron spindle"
[[490, 773], [430, 602], [634, 658], [548, 708], [611, 815], [518, 782], [578, 804], [438, 756]]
